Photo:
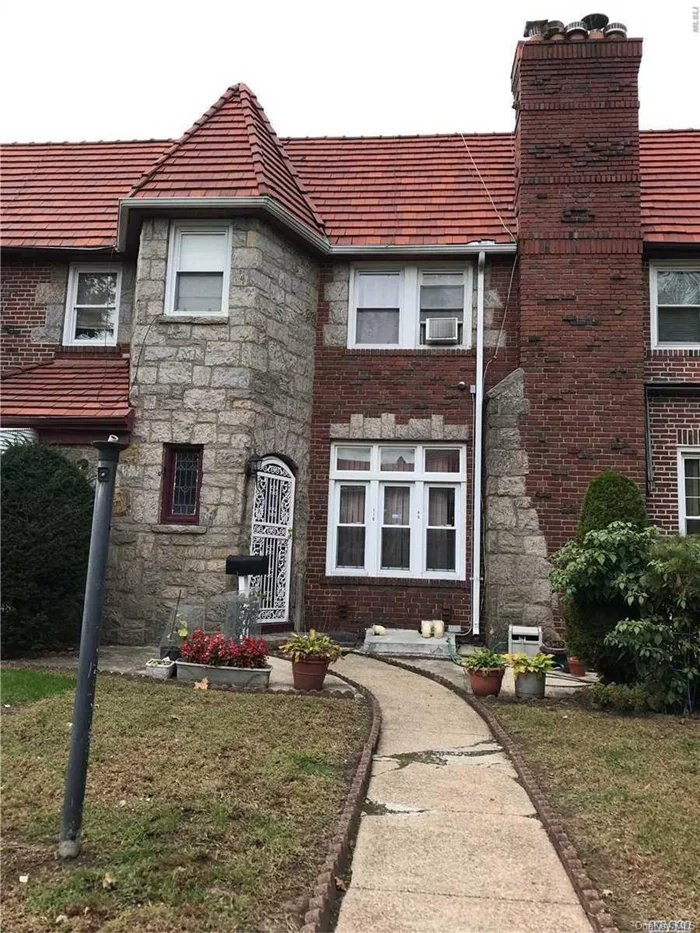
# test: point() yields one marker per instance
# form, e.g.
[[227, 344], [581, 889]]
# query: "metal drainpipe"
[[478, 448]]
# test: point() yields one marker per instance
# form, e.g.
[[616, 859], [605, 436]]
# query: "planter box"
[[161, 673], [228, 676]]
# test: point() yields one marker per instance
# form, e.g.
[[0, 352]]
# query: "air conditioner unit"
[[442, 330]]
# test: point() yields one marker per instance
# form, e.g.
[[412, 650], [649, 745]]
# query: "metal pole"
[[76, 775]]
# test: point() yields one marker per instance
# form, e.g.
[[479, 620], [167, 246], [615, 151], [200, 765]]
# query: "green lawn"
[[628, 789], [205, 810], [21, 686]]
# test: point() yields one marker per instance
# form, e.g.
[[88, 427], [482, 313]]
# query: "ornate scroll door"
[[273, 516]]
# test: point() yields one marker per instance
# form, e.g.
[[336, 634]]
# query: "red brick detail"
[[674, 421], [408, 384], [21, 313], [581, 277]]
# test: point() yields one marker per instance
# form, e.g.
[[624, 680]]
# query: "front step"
[[408, 643]]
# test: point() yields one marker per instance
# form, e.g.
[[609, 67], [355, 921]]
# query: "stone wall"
[[237, 387], [516, 570]]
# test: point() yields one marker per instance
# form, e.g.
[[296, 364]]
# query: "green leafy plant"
[[611, 497], [526, 664], [619, 698], [46, 519], [482, 661], [311, 645], [598, 581]]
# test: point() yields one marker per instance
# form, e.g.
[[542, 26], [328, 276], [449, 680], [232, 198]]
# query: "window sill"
[[166, 529], [691, 349], [354, 580], [192, 318]]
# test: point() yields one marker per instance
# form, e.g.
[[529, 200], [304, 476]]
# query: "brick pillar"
[[581, 285]]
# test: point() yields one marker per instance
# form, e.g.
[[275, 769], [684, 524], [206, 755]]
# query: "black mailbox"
[[248, 565]]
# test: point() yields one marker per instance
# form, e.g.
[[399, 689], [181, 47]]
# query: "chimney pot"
[[615, 31], [554, 28], [595, 21], [533, 28], [576, 31]]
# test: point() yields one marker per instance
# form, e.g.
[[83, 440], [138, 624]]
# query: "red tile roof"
[[95, 389], [232, 151], [670, 195], [410, 189], [67, 194], [382, 190]]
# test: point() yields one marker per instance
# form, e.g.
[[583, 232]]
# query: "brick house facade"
[[296, 344]]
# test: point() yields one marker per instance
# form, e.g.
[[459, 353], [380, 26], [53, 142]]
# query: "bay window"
[[675, 305], [397, 511], [410, 306]]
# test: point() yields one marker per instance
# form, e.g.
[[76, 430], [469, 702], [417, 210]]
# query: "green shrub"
[[598, 581], [611, 497], [46, 519], [664, 641], [619, 698]]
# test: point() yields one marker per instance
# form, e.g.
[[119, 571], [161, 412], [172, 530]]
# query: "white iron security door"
[[273, 517]]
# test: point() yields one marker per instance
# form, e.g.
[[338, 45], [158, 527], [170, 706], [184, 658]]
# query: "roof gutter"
[[274, 209]]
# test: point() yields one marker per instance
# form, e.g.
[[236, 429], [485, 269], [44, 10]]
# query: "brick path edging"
[[588, 895], [318, 907]]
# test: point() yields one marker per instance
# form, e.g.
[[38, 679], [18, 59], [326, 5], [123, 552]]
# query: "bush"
[[619, 698], [664, 641], [598, 580], [221, 651], [46, 518], [611, 497]]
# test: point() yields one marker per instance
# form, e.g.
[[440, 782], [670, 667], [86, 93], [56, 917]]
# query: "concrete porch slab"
[[407, 643]]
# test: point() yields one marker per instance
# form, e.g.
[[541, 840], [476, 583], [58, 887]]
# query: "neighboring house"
[[346, 309]]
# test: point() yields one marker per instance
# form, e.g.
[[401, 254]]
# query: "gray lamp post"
[[76, 775]]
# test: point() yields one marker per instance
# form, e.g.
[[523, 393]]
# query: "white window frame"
[[667, 266], [69, 322], [409, 305], [374, 480], [177, 230], [684, 453]]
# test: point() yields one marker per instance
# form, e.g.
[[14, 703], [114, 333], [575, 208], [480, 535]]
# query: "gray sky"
[[145, 68]]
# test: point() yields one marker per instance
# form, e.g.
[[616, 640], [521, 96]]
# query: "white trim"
[[409, 304], [69, 318], [270, 206], [683, 454], [177, 229], [680, 265], [375, 481]]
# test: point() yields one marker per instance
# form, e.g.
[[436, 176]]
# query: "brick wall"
[[674, 421], [418, 390], [30, 292], [581, 278]]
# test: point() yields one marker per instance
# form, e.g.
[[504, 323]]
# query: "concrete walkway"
[[450, 842]]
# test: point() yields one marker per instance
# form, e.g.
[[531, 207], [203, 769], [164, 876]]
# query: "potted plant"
[[530, 674], [175, 631], [486, 669], [160, 668], [311, 653], [224, 661], [555, 646], [576, 666]]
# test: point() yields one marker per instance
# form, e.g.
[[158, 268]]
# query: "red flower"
[[221, 651]]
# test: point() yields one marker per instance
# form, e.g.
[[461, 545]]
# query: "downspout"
[[478, 447]]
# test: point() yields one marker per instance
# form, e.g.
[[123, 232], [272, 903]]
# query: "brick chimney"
[[580, 247]]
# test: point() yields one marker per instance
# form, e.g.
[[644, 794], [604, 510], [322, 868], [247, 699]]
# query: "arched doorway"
[[271, 533]]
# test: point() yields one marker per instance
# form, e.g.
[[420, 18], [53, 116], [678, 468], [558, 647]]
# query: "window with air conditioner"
[[404, 307], [397, 511], [675, 305]]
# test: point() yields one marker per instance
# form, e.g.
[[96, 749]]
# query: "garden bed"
[[627, 790], [204, 809]]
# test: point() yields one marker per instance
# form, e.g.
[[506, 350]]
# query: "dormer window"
[[199, 262], [92, 307], [675, 306]]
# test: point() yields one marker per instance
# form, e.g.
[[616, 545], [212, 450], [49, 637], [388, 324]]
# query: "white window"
[[397, 511], [675, 305], [199, 262], [689, 491], [92, 305], [410, 306]]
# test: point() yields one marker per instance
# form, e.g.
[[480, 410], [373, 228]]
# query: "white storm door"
[[271, 533]]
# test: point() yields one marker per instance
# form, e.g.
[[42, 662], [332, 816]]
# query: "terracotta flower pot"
[[486, 684], [310, 673], [576, 667]]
